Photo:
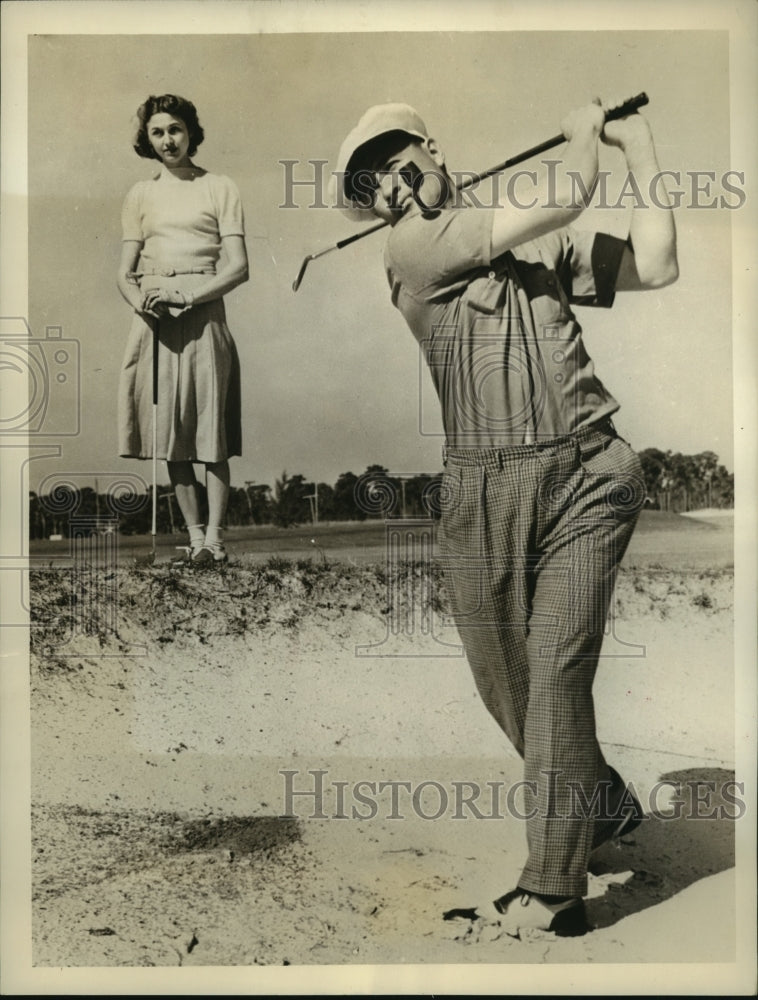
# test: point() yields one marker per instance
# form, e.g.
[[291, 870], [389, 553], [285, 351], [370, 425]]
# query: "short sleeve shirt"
[[503, 346], [181, 218]]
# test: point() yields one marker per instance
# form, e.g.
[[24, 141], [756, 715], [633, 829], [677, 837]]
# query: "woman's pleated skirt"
[[198, 410]]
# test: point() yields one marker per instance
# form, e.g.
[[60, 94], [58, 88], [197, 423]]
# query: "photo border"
[[21, 19]]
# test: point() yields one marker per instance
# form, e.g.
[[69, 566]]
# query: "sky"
[[332, 378]]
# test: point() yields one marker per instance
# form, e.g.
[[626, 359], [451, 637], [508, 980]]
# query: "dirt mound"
[[164, 604]]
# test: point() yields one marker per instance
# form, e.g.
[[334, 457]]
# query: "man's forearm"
[[554, 202], [580, 163], [652, 232]]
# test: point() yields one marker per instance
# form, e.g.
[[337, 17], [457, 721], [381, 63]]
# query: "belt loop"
[[500, 459]]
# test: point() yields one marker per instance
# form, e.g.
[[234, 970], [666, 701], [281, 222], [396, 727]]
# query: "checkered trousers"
[[531, 539]]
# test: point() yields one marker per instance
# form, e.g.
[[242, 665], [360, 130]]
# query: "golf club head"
[[300, 274]]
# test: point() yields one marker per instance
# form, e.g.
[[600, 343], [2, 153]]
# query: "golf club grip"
[[628, 107]]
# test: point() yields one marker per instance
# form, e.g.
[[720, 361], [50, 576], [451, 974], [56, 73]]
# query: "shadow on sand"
[[689, 837]]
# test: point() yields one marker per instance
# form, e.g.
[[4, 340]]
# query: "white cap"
[[378, 120]]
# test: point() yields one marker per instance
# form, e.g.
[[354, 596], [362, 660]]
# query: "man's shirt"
[[504, 349]]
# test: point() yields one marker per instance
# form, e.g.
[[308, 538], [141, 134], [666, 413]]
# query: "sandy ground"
[[158, 745]]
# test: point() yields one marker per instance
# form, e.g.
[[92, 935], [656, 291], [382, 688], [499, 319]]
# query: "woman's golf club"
[[150, 557], [627, 108], [154, 528]]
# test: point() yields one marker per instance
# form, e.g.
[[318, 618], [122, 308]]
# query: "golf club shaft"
[[154, 529], [627, 108]]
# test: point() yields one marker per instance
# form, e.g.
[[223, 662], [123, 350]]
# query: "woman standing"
[[183, 249]]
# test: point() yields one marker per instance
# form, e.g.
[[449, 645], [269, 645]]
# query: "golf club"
[[154, 529], [149, 559], [628, 107]]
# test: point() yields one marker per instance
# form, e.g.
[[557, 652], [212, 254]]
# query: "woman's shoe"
[[210, 554], [187, 557]]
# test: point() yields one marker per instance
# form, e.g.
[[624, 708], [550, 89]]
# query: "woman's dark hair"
[[179, 107]]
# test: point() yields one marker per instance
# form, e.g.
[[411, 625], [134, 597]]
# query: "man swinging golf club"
[[540, 496]]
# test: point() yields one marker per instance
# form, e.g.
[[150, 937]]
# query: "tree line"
[[679, 483], [673, 482]]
